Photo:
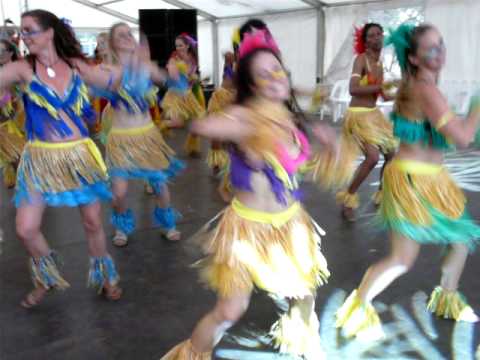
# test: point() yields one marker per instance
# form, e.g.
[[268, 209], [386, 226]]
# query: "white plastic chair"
[[339, 99]]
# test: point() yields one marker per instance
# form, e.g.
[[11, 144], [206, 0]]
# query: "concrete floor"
[[163, 299]]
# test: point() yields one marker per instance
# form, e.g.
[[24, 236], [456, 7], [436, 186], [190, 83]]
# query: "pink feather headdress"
[[261, 39]]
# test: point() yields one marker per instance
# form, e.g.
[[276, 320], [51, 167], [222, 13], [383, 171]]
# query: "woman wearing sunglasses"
[[60, 165], [421, 203]]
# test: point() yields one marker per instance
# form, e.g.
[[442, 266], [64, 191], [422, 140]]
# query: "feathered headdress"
[[190, 39], [358, 43], [261, 39], [400, 38], [236, 37]]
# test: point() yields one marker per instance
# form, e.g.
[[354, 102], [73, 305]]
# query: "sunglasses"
[[28, 34]]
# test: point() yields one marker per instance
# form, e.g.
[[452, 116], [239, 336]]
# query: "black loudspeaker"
[[161, 27]]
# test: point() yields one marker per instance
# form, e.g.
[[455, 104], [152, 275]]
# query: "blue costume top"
[[136, 92], [43, 107]]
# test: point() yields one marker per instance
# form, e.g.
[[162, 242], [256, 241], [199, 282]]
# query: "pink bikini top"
[[290, 164]]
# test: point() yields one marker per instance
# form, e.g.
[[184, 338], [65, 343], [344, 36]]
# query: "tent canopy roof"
[[102, 13]]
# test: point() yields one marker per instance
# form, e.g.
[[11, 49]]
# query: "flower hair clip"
[[190, 39]]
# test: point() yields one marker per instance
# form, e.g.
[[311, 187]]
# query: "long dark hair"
[[11, 48], [244, 82], [192, 48], [66, 44], [251, 24]]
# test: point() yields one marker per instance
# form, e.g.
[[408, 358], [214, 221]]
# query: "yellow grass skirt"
[[277, 252], [421, 201], [368, 126], [137, 148], [182, 106], [220, 99], [12, 142]]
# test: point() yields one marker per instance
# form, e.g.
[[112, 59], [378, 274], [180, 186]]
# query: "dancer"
[[135, 148], [365, 128], [60, 165], [99, 103], [421, 203], [12, 138], [184, 99], [264, 238], [222, 97]]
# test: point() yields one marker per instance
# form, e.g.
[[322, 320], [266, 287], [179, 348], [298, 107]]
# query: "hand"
[[326, 135]]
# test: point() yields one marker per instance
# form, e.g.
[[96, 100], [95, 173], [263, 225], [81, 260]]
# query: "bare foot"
[[348, 214], [173, 235], [34, 297], [112, 292]]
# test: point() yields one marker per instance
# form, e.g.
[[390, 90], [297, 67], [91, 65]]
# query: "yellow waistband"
[[92, 148], [358, 109], [132, 131], [59, 145], [417, 167], [275, 219]]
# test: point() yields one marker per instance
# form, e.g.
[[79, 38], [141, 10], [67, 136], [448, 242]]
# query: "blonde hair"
[[113, 56]]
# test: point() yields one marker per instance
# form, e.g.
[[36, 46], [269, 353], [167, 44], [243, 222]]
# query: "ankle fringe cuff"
[[359, 318], [348, 200], [449, 304], [185, 351], [45, 273]]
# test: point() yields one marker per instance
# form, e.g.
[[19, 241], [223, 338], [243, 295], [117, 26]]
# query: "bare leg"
[[212, 326], [92, 224], [97, 243], [380, 275], [387, 158], [28, 221], [372, 155], [119, 204], [452, 266], [119, 190]]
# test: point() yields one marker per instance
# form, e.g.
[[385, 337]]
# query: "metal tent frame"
[[312, 5]]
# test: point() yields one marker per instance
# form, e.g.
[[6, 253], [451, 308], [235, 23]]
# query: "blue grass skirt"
[[141, 153], [61, 174]]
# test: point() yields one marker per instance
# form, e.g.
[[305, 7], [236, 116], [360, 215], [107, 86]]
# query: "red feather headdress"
[[358, 43]]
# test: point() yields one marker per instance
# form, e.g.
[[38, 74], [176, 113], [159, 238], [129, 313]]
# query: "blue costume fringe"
[[166, 218], [45, 272], [156, 178], [136, 91], [124, 222], [102, 271], [87, 194]]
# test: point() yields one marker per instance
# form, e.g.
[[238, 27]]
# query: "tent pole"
[[320, 43], [215, 50]]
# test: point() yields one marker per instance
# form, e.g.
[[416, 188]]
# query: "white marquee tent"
[[314, 36]]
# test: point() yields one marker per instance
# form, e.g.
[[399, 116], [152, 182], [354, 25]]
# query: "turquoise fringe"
[[102, 271], [442, 231], [166, 218], [124, 222], [418, 132]]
